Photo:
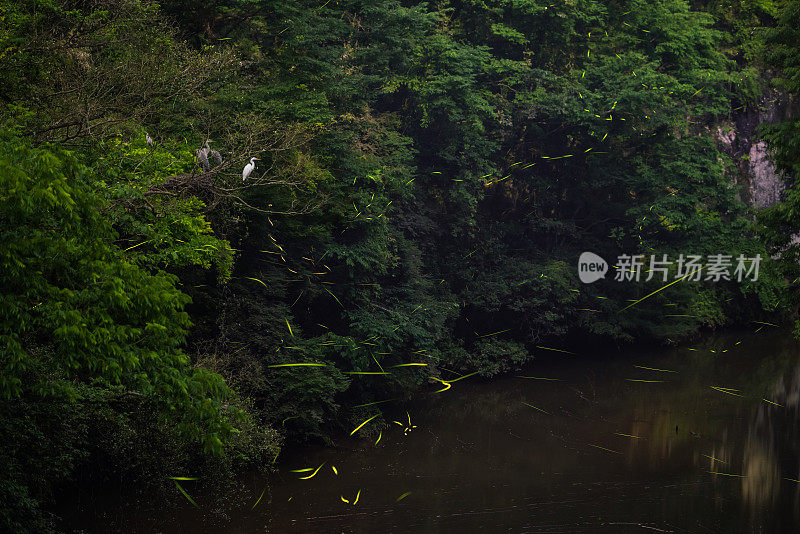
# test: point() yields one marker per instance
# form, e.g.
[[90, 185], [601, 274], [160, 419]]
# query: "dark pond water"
[[593, 451]]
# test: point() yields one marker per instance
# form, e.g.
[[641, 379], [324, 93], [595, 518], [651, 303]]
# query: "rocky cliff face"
[[760, 184]]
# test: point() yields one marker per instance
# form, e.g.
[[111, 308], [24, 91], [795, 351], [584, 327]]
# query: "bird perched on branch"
[[202, 159], [216, 157], [250, 167], [148, 139], [204, 153]]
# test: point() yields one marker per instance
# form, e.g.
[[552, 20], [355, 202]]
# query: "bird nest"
[[201, 185]]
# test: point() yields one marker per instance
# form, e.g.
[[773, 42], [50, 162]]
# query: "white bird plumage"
[[250, 167], [148, 139]]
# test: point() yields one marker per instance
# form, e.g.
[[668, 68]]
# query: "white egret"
[[250, 167]]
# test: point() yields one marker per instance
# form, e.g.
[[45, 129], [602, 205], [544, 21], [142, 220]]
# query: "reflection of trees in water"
[[771, 454], [761, 482], [488, 426], [733, 435]]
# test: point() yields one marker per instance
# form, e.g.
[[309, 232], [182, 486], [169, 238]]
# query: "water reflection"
[[594, 452], [746, 438], [770, 456]]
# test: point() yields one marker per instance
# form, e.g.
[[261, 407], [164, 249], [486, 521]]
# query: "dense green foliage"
[[428, 176], [780, 223], [73, 307]]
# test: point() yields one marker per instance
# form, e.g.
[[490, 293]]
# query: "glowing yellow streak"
[[134, 246], [298, 365], [648, 381], [356, 429], [459, 378], [406, 494], [314, 473], [540, 378], [724, 391], [655, 369], [376, 402], [186, 494], [535, 408], [555, 350], [657, 290], [495, 333], [447, 385], [259, 499], [627, 435], [603, 448], [380, 435], [257, 280], [334, 296]]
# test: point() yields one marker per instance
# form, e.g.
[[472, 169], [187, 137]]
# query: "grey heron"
[[215, 156], [202, 159]]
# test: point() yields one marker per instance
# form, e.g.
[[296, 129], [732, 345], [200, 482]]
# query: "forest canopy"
[[427, 176]]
